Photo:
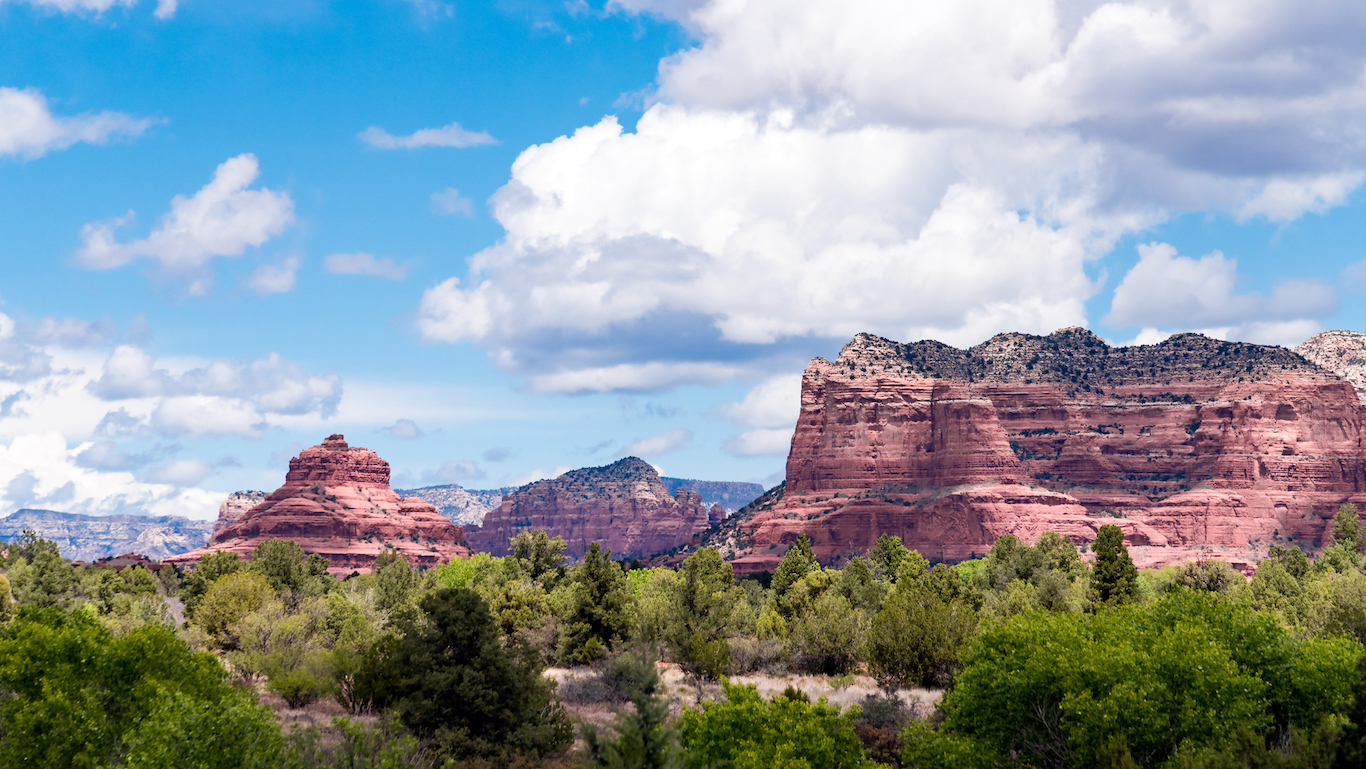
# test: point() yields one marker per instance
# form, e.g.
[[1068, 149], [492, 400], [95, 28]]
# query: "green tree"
[[599, 615], [797, 561], [395, 579], [459, 685], [209, 568], [701, 614], [1185, 672], [47, 580], [283, 563], [1347, 527], [7, 604], [916, 638], [858, 586], [745, 732], [888, 554], [1114, 578], [645, 736], [230, 599], [829, 636], [76, 696], [540, 557]]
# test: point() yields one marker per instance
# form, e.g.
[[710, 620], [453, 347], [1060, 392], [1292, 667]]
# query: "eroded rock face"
[[1193, 443], [624, 506], [336, 502], [237, 503], [1341, 352], [91, 537]]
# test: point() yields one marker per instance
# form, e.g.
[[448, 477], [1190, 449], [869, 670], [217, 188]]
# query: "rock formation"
[[234, 506], [336, 502], [1341, 352], [465, 507], [91, 537], [1188, 444], [624, 506]]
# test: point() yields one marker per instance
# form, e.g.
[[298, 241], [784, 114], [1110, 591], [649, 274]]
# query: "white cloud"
[[73, 332], [404, 429], [450, 202], [770, 409], [538, 474], [366, 264], [274, 278], [221, 398], [915, 170], [181, 472], [631, 376], [761, 443], [1177, 292], [29, 129], [446, 136], [38, 470], [664, 443], [224, 218]]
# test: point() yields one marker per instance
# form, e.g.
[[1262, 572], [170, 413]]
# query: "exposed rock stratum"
[[624, 506], [336, 502], [1193, 447]]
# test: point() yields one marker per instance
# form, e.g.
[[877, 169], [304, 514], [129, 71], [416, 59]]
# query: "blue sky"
[[496, 241]]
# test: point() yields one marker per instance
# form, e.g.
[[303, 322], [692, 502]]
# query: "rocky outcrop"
[[1191, 446], [624, 506], [465, 507], [91, 537], [237, 503], [1341, 352], [336, 502]]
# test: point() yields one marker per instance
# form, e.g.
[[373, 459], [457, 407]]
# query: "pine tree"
[[1347, 528], [796, 563], [646, 739], [1114, 580]]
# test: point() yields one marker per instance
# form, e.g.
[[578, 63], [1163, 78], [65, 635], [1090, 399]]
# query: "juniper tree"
[[1114, 580]]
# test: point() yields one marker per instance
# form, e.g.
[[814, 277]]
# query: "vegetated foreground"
[[1043, 660]]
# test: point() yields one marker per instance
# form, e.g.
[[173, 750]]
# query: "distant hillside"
[[731, 495], [90, 537], [465, 507]]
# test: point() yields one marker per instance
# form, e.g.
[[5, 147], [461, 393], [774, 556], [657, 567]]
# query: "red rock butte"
[[336, 502], [1193, 447], [624, 506]]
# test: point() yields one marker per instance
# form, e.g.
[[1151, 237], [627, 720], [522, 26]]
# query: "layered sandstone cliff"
[[336, 502], [624, 506], [1191, 446]]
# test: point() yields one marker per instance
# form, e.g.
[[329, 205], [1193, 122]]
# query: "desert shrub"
[[746, 732], [349, 744], [206, 571], [754, 655], [646, 737]]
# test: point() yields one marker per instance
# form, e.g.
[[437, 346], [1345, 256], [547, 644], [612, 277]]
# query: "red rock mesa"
[[623, 505], [336, 502], [1192, 446]]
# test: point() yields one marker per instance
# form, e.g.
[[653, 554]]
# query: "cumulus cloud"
[[74, 332], [181, 472], [919, 171], [1166, 290], [366, 264], [29, 129], [222, 398], [224, 218], [663, 443], [39, 470], [274, 278], [770, 409], [450, 202], [404, 429], [446, 136]]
